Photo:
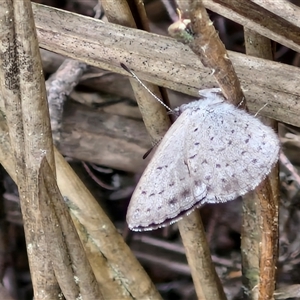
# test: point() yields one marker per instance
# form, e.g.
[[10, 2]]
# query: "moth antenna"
[[241, 103], [144, 86], [261, 109], [150, 150]]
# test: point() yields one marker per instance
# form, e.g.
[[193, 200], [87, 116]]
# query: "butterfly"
[[213, 153]]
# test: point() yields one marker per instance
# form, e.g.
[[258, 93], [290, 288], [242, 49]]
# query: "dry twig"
[[206, 44], [260, 251], [259, 15], [59, 86], [72, 269], [154, 115], [24, 97]]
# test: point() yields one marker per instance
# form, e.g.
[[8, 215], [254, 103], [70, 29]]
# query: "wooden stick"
[[178, 68], [260, 250], [26, 110]]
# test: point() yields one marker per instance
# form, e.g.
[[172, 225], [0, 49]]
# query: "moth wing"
[[165, 192], [229, 151]]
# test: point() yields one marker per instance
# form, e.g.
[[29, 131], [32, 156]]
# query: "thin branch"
[[207, 283], [282, 8], [154, 115], [260, 251], [59, 86], [71, 267], [274, 23], [206, 44], [291, 169]]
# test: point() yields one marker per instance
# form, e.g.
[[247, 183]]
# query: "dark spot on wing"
[[254, 160], [181, 179], [223, 180], [218, 166], [207, 177], [196, 144], [221, 149], [167, 221], [243, 152], [212, 138], [229, 142], [245, 170], [211, 149], [193, 156], [172, 201], [171, 184], [232, 131], [204, 162], [198, 182], [247, 141], [161, 192], [185, 193], [151, 195], [144, 193], [196, 129], [160, 168], [227, 165], [148, 210], [159, 208]]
